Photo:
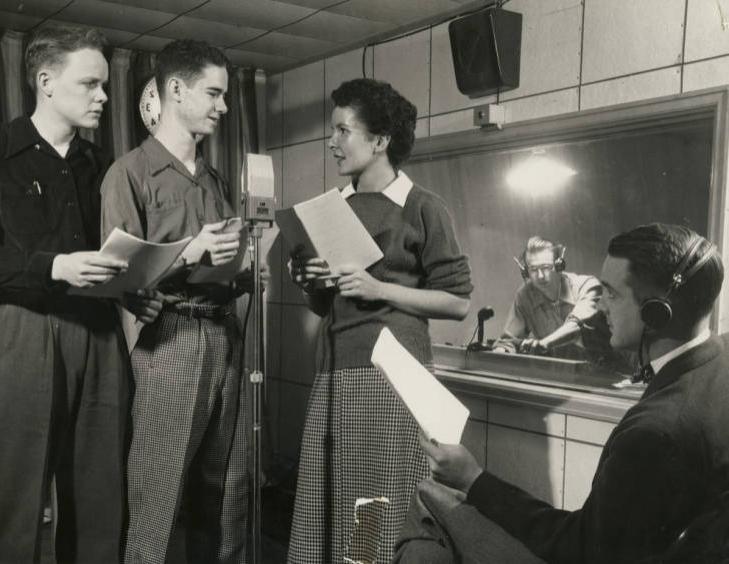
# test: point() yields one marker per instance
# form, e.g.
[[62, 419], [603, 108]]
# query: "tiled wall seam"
[[683, 43]]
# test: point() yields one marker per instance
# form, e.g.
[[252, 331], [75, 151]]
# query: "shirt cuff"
[[38, 269]]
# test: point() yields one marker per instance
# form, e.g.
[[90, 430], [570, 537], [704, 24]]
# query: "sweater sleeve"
[[629, 514], [446, 267]]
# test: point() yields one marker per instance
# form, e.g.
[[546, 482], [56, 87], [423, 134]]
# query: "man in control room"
[[554, 311], [661, 489]]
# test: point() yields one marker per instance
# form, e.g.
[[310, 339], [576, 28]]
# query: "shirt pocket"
[[167, 220], [27, 210]]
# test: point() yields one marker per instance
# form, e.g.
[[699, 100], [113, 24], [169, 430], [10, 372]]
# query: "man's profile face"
[[76, 87], [621, 306], [542, 273], [203, 100]]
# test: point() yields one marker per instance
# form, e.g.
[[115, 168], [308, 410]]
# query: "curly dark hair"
[[384, 111], [186, 58], [50, 45], [654, 251]]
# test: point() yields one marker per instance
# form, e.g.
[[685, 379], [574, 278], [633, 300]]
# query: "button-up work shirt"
[[149, 193], [532, 313], [48, 205]]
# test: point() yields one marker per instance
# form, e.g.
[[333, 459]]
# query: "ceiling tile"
[[315, 4], [394, 12], [276, 43], [336, 28], [18, 22], [113, 16], [185, 27], [114, 37], [252, 13], [41, 8], [148, 43], [169, 6], [271, 63]]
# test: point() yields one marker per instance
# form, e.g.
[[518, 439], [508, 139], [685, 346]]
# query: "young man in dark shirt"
[[64, 373], [665, 465]]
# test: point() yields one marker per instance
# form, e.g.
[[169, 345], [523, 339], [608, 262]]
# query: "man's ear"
[[44, 82], [174, 88]]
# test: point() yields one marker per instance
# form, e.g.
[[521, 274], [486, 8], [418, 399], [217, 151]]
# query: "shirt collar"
[[160, 158], [397, 190], [23, 134], [662, 360]]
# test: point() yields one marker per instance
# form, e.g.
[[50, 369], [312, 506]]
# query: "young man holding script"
[[189, 436]]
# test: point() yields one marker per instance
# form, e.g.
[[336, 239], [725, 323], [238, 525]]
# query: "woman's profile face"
[[351, 143]]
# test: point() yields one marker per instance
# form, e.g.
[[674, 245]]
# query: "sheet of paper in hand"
[[439, 413]]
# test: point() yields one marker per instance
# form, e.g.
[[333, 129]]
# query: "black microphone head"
[[485, 313]]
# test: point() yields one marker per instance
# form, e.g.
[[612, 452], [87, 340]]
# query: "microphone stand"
[[255, 229]]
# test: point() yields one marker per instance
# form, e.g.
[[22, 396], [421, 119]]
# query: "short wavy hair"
[[186, 58], [384, 111], [49, 46], [654, 251]]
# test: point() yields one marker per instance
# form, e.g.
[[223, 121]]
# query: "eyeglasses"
[[536, 268]]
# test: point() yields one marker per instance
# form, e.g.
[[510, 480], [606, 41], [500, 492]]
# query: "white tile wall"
[[625, 36], [405, 63], [550, 45], [704, 74], [631, 88], [705, 34], [304, 103]]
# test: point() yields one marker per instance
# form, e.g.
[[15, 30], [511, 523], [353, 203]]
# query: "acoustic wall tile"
[[303, 172], [304, 103], [542, 105], [299, 331], [580, 465], [706, 33], [532, 462], [631, 88], [705, 74], [274, 110], [30, 8], [393, 12], [451, 122], [478, 407], [445, 96], [250, 13], [18, 21], [215, 33], [303, 178], [623, 36], [116, 16], [550, 45], [422, 128], [341, 68], [294, 399], [527, 418], [336, 28], [474, 439], [588, 430], [405, 63]]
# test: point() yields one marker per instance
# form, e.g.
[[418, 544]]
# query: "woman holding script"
[[359, 440]]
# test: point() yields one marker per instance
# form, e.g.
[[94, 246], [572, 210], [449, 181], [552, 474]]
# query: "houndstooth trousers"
[[189, 441], [359, 441]]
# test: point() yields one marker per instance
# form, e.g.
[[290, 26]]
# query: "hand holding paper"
[[439, 413]]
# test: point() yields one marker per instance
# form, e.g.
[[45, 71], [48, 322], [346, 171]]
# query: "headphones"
[[656, 313], [559, 263]]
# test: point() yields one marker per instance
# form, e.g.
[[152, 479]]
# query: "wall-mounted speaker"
[[486, 48]]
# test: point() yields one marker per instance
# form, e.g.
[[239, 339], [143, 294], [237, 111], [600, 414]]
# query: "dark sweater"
[[664, 464], [420, 251]]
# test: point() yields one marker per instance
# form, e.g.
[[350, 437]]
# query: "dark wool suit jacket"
[[665, 463]]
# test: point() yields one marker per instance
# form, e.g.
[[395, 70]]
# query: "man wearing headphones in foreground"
[[550, 308], [661, 489]]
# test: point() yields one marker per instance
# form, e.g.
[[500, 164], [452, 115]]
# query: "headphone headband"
[[657, 312]]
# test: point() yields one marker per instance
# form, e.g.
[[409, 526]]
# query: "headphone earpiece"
[[559, 263], [657, 313], [521, 264]]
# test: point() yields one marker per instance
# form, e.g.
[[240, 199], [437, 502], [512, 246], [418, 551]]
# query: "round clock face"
[[149, 106]]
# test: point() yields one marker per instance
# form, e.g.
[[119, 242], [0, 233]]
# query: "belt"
[[202, 311]]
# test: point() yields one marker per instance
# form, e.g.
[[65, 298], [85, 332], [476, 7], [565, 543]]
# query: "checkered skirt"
[[359, 441]]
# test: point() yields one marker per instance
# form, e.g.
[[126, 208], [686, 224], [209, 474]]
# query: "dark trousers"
[[63, 408], [442, 529]]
